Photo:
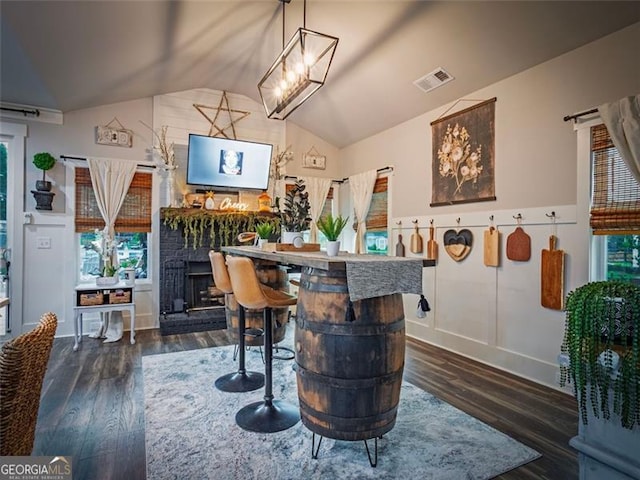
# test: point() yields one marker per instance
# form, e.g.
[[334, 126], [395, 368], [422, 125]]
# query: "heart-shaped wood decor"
[[458, 243]]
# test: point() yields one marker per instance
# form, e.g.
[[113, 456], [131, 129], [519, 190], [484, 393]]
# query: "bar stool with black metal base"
[[240, 381], [269, 415]]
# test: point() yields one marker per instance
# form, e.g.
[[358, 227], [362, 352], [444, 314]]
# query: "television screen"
[[226, 163]]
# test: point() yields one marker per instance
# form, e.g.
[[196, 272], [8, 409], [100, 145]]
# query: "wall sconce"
[[298, 72]]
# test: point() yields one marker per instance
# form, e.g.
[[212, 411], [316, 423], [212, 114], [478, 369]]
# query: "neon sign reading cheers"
[[227, 204]]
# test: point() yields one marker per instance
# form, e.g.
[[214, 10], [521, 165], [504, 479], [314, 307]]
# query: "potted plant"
[[332, 227], [44, 161], [128, 267], [294, 216], [601, 358], [264, 230]]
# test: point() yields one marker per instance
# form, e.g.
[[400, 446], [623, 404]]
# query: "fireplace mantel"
[[201, 227]]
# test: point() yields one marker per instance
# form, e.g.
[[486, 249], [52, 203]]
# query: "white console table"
[[103, 300]]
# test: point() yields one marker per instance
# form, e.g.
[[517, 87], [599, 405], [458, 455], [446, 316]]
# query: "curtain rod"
[[84, 159], [23, 111], [575, 116], [345, 179]]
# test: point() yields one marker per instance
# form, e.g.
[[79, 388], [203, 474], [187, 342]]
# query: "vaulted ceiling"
[[70, 55]]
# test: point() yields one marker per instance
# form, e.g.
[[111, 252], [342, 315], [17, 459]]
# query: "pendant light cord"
[[284, 4]]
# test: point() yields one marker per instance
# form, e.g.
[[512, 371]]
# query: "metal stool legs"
[[269, 415], [240, 381]]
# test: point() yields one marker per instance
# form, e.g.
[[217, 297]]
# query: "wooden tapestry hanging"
[[114, 133], [463, 163]]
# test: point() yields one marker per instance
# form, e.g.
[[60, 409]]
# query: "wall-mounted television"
[[229, 164]]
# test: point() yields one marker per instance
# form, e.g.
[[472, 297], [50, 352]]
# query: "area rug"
[[191, 431]]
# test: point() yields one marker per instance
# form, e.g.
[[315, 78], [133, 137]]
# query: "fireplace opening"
[[200, 290]]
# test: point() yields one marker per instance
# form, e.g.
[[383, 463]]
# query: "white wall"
[[494, 314]]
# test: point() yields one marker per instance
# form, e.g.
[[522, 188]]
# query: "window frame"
[[597, 244], [145, 282]]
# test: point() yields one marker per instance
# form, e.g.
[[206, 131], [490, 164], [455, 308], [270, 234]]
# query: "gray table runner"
[[378, 276]]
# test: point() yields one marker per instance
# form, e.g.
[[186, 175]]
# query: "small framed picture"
[[314, 161]]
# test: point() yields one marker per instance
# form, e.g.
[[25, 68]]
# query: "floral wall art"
[[463, 164]]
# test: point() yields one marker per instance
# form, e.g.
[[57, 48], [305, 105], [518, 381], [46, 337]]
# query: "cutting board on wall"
[[519, 246], [552, 277], [416, 240], [399, 247], [492, 247], [432, 245]]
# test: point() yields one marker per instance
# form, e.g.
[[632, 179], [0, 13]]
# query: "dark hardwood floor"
[[93, 404]]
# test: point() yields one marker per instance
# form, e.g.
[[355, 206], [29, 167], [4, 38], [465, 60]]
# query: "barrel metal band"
[[350, 422], [353, 328], [350, 383], [323, 287]]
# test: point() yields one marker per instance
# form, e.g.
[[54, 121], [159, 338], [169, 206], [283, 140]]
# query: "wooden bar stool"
[[269, 415], [240, 381]]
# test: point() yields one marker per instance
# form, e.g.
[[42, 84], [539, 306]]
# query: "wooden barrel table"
[[350, 358], [275, 277]]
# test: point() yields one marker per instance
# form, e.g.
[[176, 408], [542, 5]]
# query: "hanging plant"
[[222, 228], [602, 344]]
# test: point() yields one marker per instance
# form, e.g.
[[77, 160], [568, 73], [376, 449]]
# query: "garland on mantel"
[[223, 226]]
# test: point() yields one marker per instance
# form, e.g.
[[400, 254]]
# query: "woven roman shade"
[[615, 204], [135, 214], [377, 216]]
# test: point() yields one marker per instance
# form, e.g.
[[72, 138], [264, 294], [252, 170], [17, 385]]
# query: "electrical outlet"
[[44, 242]]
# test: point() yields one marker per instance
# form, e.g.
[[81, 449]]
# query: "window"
[[132, 226], [376, 236], [615, 209]]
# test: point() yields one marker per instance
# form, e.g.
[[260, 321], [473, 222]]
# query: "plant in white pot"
[[294, 216], [264, 230], [331, 227], [601, 358]]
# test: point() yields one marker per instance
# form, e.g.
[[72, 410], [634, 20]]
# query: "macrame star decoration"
[[215, 130]]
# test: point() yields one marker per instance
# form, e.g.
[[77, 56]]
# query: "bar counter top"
[[318, 260]]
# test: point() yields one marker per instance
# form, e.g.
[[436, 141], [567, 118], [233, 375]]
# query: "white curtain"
[[110, 179], [361, 186], [318, 188], [622, 119]]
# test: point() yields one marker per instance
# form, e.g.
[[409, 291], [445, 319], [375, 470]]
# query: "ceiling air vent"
[[433, 80]]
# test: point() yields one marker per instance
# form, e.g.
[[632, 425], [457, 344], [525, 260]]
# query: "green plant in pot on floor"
[[331, 227]]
